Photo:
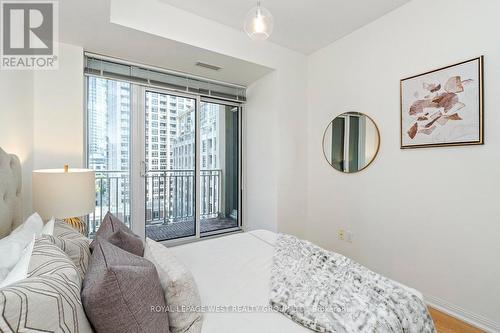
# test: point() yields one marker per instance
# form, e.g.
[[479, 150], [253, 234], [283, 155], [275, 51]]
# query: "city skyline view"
[[169, 154]]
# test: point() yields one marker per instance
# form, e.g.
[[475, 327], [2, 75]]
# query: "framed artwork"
[[443, 107]]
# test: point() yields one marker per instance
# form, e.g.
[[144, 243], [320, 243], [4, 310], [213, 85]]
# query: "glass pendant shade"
[[259, 23]]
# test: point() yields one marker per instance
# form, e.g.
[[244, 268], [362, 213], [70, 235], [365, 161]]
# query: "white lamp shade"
[[63, 194]]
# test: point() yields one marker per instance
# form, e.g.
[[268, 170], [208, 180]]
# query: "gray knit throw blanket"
[[327, 292]]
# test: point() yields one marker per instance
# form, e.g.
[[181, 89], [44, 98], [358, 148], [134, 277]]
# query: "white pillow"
[[179, 287], [20, 270], [48, 228], [12, 246], [34, 223]]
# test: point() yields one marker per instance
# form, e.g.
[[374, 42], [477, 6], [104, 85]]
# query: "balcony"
[[169, 202]]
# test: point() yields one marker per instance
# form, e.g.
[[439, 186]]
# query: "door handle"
[[143, 169]]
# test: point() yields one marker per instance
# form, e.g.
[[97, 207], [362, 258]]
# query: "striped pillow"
[[49, 299], [74, 244], [64, 230]]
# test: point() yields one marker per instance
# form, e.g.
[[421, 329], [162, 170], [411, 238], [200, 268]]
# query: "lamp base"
[[76, 223]]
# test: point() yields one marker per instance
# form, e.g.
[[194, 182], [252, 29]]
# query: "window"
[[108, 149], [171, 188]]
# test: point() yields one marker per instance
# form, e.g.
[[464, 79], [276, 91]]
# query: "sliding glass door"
[[167, 163], [179, 131], [219, 174], [170, 160]]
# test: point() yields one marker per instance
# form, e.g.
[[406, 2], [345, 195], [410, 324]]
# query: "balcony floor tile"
[[161, 232]]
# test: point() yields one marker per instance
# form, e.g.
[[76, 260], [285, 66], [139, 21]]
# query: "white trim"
[[220, 232], [464, 315], [244, 168], [193, 239], [197, 167], [220, 101], [241, 192], [137, 181], [85, 121]]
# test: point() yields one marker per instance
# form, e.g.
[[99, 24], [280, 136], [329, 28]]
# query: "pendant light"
[[259, 23]]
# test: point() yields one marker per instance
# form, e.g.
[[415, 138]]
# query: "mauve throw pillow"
[[117, 233], [122, 293]]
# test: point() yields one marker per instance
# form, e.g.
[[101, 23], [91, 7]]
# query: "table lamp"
[[66, 194]]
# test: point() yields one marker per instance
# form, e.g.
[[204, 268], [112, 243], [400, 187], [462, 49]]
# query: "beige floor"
[[447, 324]]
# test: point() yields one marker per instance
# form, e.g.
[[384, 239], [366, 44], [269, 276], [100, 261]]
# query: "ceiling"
[[301, 25], [86, 23], [304, 26]]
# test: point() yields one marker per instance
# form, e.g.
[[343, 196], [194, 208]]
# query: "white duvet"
[[235, 271]]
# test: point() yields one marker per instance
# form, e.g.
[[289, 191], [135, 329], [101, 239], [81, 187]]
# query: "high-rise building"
[[209, 121], [108, 108], [210, 155], [164, 128], [170, 155]]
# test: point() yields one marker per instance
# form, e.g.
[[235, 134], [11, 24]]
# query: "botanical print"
[[443, 107]]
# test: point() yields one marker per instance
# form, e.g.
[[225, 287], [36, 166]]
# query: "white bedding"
[[235, 270]]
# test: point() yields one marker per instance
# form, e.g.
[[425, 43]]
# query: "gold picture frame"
[[372, 157], [443, 107]]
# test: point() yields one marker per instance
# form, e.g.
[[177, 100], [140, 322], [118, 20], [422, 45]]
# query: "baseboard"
[[462, 314]]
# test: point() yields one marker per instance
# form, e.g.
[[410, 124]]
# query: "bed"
[[232, 272], [235, 270], [10, 193]]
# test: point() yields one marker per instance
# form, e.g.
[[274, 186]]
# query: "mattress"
[[233, 274]]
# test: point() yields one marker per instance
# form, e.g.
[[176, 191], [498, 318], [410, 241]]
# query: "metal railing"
[[169, 196], [112, 193]]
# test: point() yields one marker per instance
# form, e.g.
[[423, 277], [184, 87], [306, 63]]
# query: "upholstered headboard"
[[10, 193]]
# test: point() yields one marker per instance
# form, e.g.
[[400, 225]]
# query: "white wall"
[[407, 207], [259, 145], [16, 124], [425, 217], [41, 116], [283, 107], [59, 112]]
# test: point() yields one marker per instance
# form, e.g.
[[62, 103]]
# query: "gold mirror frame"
[[376, 150]]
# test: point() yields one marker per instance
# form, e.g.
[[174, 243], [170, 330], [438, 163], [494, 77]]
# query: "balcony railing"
[[112, 193], [169, 196]]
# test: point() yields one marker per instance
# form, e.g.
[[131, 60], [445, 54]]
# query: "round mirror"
[[351, 142]]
